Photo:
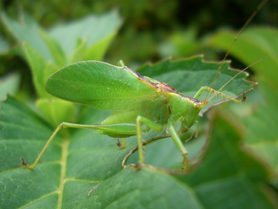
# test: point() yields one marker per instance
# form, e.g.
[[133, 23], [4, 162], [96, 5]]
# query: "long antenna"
[[239, 33], [242, 72]]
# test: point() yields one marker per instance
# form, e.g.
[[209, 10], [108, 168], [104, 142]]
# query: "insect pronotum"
[[132, 93]]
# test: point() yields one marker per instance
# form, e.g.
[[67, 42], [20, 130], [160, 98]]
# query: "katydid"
[[140, 103]]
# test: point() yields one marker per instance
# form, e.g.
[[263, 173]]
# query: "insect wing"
[[102, 86]]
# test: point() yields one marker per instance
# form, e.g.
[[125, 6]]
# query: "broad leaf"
[[262, 128], [61, 41], [55, 48], [9, 85], [41, 69], [96, 30], [45, 52], [56, 109], [253, 45], [97, 51], [227, 177], [28, 30]]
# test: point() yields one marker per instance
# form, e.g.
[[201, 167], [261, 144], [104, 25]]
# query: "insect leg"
[[155, 126], [187, 140], [122, 144], [43, 150], [120, 129], [203, 88], [178, 142]]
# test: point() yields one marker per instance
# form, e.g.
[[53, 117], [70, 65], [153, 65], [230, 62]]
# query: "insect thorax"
[[185, 109]]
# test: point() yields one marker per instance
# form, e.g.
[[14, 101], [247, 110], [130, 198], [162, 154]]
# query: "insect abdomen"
[[121, 117], [159, 113]]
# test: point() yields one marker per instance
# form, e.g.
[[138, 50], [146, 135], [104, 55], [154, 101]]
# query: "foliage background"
[[155, 30], [147, 26]]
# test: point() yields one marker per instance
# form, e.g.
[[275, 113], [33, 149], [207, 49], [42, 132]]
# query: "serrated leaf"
[[189, 75], [227, 177]]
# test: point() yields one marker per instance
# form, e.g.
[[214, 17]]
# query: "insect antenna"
[[235, 39], [240, 73]]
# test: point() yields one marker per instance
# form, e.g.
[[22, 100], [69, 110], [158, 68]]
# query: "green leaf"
[[262, 132], [254, 44], [80, 50], [41, 69], [56, 110], [27, 30], [55, 49], [228, 177], [97, 30], [97, 51], [234, 170], [87, 38], [181, 43], [4, 45], [61, 41], [20, 126], [9, 85]]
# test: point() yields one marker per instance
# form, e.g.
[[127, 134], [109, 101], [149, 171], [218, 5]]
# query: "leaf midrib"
[[65, 146]]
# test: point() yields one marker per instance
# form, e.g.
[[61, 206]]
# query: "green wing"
[[104, 86]]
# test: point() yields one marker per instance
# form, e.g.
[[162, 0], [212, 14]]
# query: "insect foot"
[[185, 160], [122, 144], [244, 97], [25, 165]]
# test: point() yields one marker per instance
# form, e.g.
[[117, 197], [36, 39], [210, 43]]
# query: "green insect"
[[139, 103]]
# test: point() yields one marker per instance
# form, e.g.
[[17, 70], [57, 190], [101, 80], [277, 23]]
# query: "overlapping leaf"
[[46, 52], [70, 168], [255, 44], [187, 77]]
